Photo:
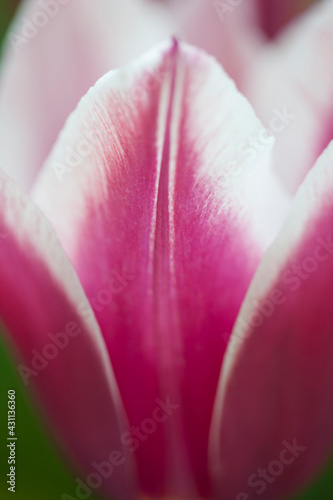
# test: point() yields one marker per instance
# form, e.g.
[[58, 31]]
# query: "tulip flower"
[[152, 179], [164, 287]]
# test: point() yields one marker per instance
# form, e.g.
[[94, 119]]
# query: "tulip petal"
[[290, 87], [275, 14], [54, 53], [62, 351], [229, 32], [165, 218], [275, 391]]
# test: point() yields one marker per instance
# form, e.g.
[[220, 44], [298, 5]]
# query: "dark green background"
[[41, 474]]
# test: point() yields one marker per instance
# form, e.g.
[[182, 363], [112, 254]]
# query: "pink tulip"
[[165, 291]]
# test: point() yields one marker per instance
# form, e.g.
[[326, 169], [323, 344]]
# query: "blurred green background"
[[7, 8], [41, 474]]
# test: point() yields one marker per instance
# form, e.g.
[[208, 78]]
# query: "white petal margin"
[[62, 354], [272, 426]]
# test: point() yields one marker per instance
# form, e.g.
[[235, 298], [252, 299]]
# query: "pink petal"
[[40, 296], [293, 78], [47, 70], [275, 14], [229, 33], [277, 376], [163, 195]]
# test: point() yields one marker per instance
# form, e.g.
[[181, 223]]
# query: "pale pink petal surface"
[[39, 297], [151, 179], [51, 60], [276, 382], [231, 33], [293, 78]]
